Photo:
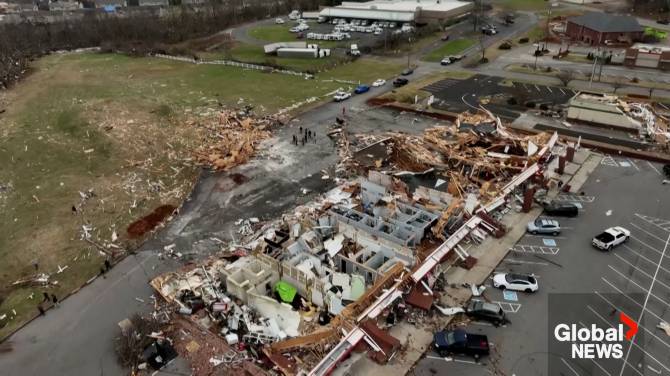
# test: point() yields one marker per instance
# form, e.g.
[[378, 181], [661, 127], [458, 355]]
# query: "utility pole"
[[593, 70]]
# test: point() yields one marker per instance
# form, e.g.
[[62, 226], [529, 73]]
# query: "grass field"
[[523, 4], [117, 126], [272, 33], [453, 47]]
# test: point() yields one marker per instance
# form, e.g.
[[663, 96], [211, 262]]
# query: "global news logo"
[[593, 342]]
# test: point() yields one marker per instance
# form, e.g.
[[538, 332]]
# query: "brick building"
[[596, 28], [641, 55]]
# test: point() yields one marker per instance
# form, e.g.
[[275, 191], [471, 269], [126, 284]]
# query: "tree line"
[[134, 32]]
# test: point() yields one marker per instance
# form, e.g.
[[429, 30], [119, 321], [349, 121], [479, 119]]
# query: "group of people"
[[304, 136]]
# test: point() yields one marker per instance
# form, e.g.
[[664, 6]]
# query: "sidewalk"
[[416, 340]]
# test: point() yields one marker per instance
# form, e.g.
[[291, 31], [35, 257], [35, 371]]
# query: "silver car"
[[544, 226]]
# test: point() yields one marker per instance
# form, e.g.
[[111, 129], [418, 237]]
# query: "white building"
[[417, 11]]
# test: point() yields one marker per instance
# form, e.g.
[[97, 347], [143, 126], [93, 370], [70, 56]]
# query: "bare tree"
[[565, 76], [617, 84]]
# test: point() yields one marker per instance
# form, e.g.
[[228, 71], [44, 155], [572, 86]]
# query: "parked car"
[[360, 89], [446, 61], [663, 21], [445, 37], [279, 21], [400, 82], [342, 95], [517, 282], [610, 238], [666, 171], [480, 310], [379, 82], [460, 342], [489, 31], [407, 72], [560, 209], [544, 226]]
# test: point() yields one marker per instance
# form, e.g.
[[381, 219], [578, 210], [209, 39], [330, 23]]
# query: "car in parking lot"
[[514, 281], [459, 341], [360, 89], [446, 61], [544, 226], [378, 82], [398, 82], [480, 310], [342, 95], [279, 21], [610, 238], [407, 72], [560, 209]]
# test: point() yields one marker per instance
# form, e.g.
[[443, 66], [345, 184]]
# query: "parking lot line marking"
[[537, 88], [649, 293], [646, 299], [567, 365], [548, 88], [629, 347], [596, 363], [577, 198], [647, 245], [644, 258], [633, 163], [658, 222], [654, 168], [508, 307], [561, 91], [656, 371], [640, 325], [629, 298], [535, 249], [641, 271], [647, 232]]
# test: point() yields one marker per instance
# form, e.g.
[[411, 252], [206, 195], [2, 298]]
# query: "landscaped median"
[[454, 47]]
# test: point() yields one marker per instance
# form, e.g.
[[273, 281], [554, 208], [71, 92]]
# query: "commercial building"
[[419, 12], [641, 55], [598, 28]]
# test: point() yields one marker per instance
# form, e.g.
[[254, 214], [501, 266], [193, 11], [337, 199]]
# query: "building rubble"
[[296, 295], [232, 137]]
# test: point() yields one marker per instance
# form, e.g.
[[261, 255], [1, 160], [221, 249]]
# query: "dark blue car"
[[360, 89]]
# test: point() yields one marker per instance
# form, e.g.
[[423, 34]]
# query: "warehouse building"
[[598, 28], [419, 12]]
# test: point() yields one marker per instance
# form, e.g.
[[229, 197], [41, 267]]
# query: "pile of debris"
[[360, 258], [231, 138]]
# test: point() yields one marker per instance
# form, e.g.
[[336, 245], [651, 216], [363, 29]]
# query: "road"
[[580, 283], [77, 338]]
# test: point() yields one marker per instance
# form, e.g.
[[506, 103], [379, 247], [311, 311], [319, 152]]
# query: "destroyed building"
[[302, 291]]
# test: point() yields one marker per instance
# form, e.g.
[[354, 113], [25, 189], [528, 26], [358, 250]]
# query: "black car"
[[666, 171], [459, 342], [663, 21], [561, 209], [480, 310], [407, 72], [400, 82]]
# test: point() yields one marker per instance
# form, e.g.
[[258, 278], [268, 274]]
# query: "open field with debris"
[[93, 143]]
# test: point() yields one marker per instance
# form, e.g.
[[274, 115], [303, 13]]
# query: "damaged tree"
[[134, 338]]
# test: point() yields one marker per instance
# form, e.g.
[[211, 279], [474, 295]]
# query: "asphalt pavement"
[[634, 278]]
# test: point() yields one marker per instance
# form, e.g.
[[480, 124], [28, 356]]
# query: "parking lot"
[[462, 95], [633, 278]]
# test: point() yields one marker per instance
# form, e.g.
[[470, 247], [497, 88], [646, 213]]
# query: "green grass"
[[272, 33], [453, 47], [125, 110], [523, 4]]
